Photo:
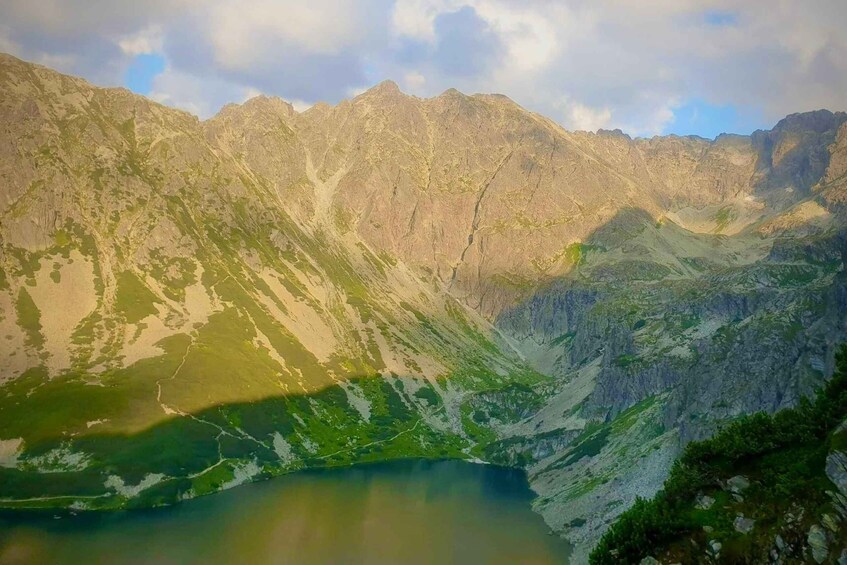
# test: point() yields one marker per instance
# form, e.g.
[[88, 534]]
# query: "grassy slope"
[[67, 462], [89, 429]]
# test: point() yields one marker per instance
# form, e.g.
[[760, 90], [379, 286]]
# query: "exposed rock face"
[[638, 291], [836, 470], [818, 543]]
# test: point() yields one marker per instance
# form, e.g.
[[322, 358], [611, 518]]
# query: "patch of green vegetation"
[[281, 339], [424, 320], [793, 275], [26, 484], [456, 313], [41, 410], [631, 270], [372, 259], [29, 319], [213, 479], [564, 339], [223, 365], [62, 238], [506, 404], [173, 273], [576, 523], [626, 360], [588, 445], [28, 263], [388, 258], [575, 253], [480, 434], [133, 300], [723, 217], [636, 414], [427, 394]]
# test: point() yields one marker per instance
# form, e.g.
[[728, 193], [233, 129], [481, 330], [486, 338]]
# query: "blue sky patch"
[[141, 72], [698, 117], [720, 18]]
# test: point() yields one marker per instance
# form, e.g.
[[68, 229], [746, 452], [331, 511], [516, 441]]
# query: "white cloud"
[[251, 93], [415, 18], [578, 116], [201, 96], [531, 39], [653, 122], [318, 26], [300, 105], [7, 44], [355, 91], [145, 41], [620, 64], [414, 81]]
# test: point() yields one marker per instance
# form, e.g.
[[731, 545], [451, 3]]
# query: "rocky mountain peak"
[[795, 154], [257, 108], [818, 121], [614, 133], [387, 88]]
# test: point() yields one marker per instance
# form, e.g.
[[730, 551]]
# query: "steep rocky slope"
[[390, 277], [766, 489]]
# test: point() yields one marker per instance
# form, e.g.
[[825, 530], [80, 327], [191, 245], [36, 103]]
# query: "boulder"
[[818, 542], [737, 484], [743, 525], [704, 502]]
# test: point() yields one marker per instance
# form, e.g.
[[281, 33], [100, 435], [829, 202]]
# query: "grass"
[[322, 428], [588, 446], [626, 360], [133, 300], [723, 217], [222, 365], [427, 394], [29, 319], [564, 339]]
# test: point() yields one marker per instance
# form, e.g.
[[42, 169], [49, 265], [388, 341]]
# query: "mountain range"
[[187, 305]]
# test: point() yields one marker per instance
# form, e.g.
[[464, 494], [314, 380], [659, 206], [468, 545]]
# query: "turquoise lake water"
[[400, 512]]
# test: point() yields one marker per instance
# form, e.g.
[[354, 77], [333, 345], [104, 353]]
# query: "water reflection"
[[400, 512]]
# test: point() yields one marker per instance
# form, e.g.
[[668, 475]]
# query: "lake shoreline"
[[432, 483]]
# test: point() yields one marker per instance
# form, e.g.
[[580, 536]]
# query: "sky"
[[648, 67]]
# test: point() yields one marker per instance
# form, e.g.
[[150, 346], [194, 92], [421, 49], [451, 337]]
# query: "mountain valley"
[[189, 305]]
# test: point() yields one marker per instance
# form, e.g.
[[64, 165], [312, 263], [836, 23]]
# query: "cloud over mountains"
[[646, 67]]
